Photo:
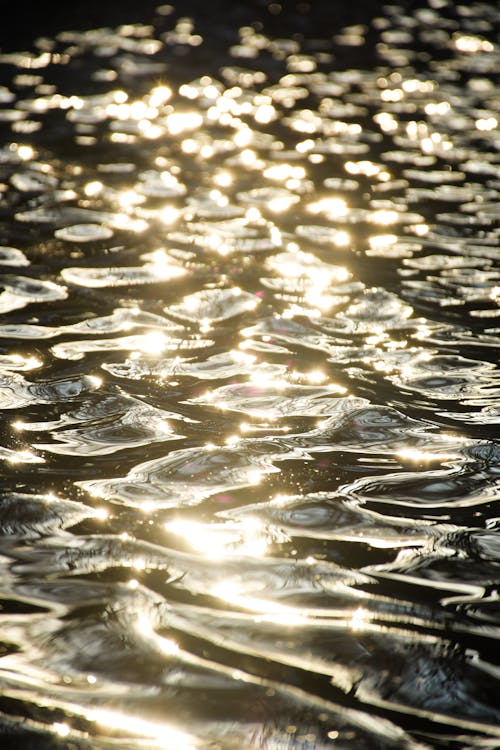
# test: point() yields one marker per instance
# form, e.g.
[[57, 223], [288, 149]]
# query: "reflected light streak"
[[93, 188], [359, 620], [153, 342], [61, 729], [384, 216], [169, 215], [220, 541], [178, 122], [164, 736], [233, 592], [332, 207], [159, 95], [26, 153], [417, 455]]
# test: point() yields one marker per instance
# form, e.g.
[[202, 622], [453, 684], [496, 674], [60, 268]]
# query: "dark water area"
[[249, 488]]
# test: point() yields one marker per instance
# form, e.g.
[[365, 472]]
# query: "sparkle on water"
[[249, 382]]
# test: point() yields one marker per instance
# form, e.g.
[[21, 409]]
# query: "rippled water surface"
[[249, 382]]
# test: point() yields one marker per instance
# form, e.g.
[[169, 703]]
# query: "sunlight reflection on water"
[[279, 251]]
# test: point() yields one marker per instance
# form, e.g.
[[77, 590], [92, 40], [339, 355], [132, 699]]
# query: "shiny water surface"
[[249, 383]]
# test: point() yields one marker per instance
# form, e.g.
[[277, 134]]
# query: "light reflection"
[[418, 455], [333, 207], [129, 198], [282, 203], [24, 457], [359, 620], [233, 592], [159, 95], [223, 179], [163, 736], [364, 167], [384, 216], [153, 342], [486, 123], [26, 153], [219, 541], [381, 241], [472, 44], [169, 214], [93, 188], [61, 729], [179, 122]]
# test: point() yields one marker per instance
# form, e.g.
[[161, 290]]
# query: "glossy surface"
[[249, 383]]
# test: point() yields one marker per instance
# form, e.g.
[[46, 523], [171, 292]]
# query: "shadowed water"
[[249, 384]]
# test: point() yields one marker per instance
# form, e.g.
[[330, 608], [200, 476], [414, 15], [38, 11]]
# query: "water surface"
[[249, 382]]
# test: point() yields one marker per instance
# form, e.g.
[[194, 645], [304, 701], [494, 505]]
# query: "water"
[[249, 382]]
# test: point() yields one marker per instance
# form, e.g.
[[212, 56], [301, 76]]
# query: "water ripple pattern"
[[249, 381]]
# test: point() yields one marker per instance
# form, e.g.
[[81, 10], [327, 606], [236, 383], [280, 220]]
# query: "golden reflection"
[[381, 241], [264, 114], [122, 138], [20, 362], [169, 214], [253, 214], [487, 123], [472, 44], [223, 179], [392, 95], [145, 628], [342, 239], [26, 153], [164, 736], [334, 208], [437, 108], [207, 151], [315, 377], [23, 457], [61, 729], [304, 146], [386, 122], [282, 203], [153, 342], [190, 146], [359, 620], [126, 222], [243, 137], [248, 157], [163, 266], [159, 95], [283, 172], [149, 129], [364, 167], [219, 541], [384, 216], [179, 122], [93, 188], [418, 455], [129, 198], [234, 592]]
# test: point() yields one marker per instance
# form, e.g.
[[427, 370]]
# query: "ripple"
[[184, 477], [20, 291], [99, 278], [11, 256], [83, 233], [213, 305], [249, 384], [277, 399]]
